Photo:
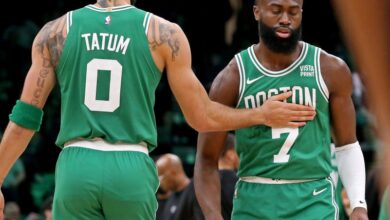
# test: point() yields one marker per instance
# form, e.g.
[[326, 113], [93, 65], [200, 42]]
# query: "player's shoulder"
[[228, 72], [50, 39], [331, 63], [52, 28], [232, 66], [335, 71], [164, 23]]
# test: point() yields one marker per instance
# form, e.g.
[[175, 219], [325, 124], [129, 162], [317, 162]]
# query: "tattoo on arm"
[[164, 34], [50, 43]]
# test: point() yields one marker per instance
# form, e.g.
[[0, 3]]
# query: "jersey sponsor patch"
[[307, 70]]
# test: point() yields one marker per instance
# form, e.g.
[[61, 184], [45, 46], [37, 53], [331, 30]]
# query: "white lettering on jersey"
[[300, 95], [104, 41]]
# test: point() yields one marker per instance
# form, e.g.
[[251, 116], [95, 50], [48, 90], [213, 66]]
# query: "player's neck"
[[112, 3], [276, 61]]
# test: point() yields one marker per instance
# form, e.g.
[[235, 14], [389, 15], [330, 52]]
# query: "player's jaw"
[[280, 39]]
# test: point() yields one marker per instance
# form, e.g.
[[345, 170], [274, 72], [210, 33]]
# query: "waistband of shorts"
[[264, 180], [98, 144]]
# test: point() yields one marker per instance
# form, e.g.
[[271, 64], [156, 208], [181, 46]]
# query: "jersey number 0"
[[113, 101]]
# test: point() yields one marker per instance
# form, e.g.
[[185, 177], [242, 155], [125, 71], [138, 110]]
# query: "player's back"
[[107, 77]]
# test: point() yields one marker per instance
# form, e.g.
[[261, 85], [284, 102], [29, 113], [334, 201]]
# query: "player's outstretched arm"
[[200, 112], [40, 80]]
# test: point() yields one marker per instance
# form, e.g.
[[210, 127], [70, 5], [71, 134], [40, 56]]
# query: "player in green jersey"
[[285, 172], [107, 59]]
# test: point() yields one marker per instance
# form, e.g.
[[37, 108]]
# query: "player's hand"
[[1, 206], [358, 214], [281, 114]]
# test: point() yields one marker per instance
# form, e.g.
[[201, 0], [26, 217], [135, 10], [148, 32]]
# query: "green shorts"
[[93, 184], [313, 200]]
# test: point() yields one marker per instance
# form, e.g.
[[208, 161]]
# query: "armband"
[[26, 115], [352, 172]]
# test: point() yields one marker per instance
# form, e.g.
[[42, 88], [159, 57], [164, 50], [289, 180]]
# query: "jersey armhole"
[[69, 20], [146, 22], [241, 71], [320, 81]]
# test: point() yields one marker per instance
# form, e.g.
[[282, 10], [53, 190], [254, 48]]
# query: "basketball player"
[[284, 172], [107, 59]]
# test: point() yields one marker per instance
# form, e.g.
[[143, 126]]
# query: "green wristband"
[[26, 115]]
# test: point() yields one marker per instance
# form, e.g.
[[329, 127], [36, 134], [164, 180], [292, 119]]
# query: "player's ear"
[[256, 12]]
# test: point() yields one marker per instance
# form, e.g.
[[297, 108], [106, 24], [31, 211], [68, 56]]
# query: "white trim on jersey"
[[101, 145], [279, 73], [320, 81], [241, 70], [265, 180], [145, 18], [146, 23], [69, 16], [334, 203], [110, 9]]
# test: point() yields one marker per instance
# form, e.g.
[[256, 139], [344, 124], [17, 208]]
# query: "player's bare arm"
[[210, 145], [39, 81], [46, 51], [338, 79], [171, 50]]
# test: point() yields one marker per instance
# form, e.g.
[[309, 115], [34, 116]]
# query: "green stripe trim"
[[283, 72]]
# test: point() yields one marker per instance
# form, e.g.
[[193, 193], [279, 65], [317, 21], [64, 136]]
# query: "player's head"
[[170, 171], [229, 158], [279, 23]]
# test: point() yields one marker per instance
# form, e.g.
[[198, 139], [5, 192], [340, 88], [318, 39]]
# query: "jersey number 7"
[[283, 156]]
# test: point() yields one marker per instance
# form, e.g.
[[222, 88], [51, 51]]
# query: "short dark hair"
[[229, 144]]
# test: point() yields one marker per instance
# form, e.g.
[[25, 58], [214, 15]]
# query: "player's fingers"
[[309, 113], [281, 97], [302, 118], [295, 124], [297, 107]]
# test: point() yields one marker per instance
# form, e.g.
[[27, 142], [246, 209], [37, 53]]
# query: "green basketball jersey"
[[284, 153], [107, 77]]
